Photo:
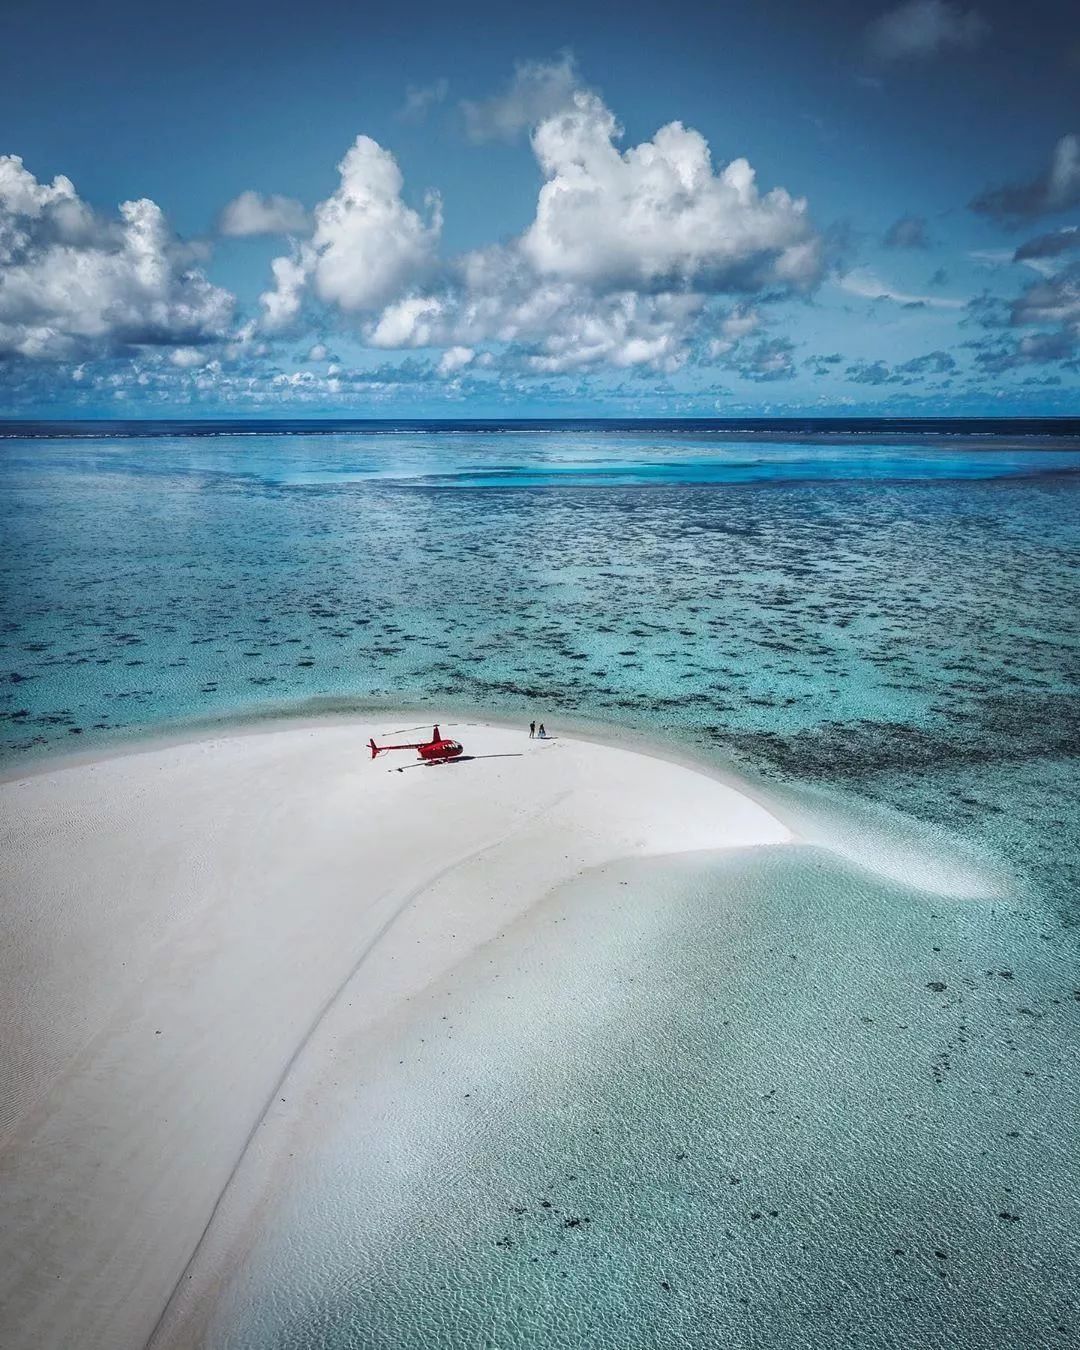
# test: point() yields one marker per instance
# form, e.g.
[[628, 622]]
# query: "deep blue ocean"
[[880, 620]]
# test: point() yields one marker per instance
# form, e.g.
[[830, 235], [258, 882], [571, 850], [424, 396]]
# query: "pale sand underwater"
[[749, 1098], [178, 922]]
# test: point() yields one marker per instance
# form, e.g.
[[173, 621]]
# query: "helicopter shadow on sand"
[[460, 759]]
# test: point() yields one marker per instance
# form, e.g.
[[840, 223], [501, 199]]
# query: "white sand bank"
[[177, 921]]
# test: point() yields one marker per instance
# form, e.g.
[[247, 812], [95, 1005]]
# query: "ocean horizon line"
[[1056, 428]]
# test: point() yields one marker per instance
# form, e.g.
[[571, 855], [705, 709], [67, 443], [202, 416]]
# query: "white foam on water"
[[889, 844]]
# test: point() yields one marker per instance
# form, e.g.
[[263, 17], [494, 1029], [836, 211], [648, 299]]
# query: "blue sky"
[[672, 209]]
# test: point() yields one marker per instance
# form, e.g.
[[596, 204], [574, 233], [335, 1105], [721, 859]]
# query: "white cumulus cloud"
[[73, 281], [282, 304], [251, 213], [657, 216], [553, 326], [622, 330], [620, 262], [455, 359], [188, 358], [367, 245], [416, 321]]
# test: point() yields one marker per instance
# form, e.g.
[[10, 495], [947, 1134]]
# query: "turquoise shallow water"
[[895, 621], [885, 632], [756, 1101]]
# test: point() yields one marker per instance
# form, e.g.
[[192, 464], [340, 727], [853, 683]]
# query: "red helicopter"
[[435, 751]]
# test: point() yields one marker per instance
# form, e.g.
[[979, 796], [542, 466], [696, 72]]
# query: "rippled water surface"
[[756, 1102], [897, 620]]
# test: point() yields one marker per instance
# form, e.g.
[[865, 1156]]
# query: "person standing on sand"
[[542, 733], [532, 730]]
